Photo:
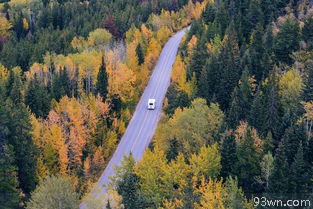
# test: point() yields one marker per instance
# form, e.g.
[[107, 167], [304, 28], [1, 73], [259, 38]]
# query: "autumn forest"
[[236, 120]]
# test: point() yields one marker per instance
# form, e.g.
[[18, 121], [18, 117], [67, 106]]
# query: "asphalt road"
[[141, 128]]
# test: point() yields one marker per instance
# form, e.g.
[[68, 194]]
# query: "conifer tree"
[[20, 138], [127, 184], [9, 192], [292, 138], [14, 86], [247, 166], [287, 41], [140, 55], [37, 98], [228, 156], [299, 178], [229, 67], [308, 89], [241, 100], [102, 81], [307, 32], [278, 181]]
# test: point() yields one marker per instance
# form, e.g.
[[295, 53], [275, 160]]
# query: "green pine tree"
[[228, 156], [307, 32], [37, 98], [140, 55], [127, 184], [287, 41], [247, 166], [241, 101], [20, 138], [278, 180], [308, 89], [299, 178], [9, 192], [102, 81]]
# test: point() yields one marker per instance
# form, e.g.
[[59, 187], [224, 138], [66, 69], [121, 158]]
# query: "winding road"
[[141, 127]]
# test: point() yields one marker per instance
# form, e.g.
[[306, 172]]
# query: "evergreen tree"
[[203, 86], [278, 180], [9, 192], [247, 165], [208, 15], [37, 98], [307, 32], [268, 145], [229, 67], [308, 89], [20, 138], [198, 58], [299, 178], [273, 110], [102, 81], [241, 100], [14, 86], [127, 184], [287, 41], [228, 156], [257, 113], [140, 55], [293, 136], [253, 57], [61, 84], [254, 17]]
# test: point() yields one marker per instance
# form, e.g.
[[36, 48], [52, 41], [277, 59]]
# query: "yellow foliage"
[[25, 24], [147, 33], [3, 72], [212, 195], [240, 134], [98, 37], [163, 35], [121, 78], [153, 52], [290, 89], [5, 27], [192, 44], [79, 43]]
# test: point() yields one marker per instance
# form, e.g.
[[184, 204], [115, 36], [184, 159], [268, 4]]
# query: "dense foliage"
[[241, 85], [65, 106]]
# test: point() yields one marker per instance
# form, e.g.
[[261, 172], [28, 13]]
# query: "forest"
[[237, 118], [71, 74]]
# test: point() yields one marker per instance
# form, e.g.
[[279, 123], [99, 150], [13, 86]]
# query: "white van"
[[151, 104]]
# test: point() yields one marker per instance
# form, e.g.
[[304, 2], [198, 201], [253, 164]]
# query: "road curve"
[[141, 127]]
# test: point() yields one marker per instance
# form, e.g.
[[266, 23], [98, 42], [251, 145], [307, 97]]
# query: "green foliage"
[[102, 81], [37, 98], [228, 154], [54, 192], [9, 192], [241, 101], [176, 99], [193, 127], [140, 55], [287, 41], [20, 138], [127, 184], [308, 89], [246, 168], [278, 180], [60, 85]]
